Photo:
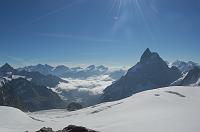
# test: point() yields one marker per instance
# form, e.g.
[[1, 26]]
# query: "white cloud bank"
[[95, 84]]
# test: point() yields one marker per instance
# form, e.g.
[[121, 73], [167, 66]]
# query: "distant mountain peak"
[[149, 56], [43, 66], [183, 66], [62, 66], [7, 65], [7, 68], [147, 53], [91, 67]]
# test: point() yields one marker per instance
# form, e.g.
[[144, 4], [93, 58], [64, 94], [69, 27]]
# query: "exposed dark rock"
[[176, 93], [44, 129], [74, 106], [117, 74], [36, 77], [40, 79], [192, 77], [70, 128], [73, 128], [27, 96], [6, 70]]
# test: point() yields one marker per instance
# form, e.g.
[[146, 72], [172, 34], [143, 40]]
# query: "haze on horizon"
[[101, 32]]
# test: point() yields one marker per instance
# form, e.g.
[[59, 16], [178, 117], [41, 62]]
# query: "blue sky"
[[108, 32]]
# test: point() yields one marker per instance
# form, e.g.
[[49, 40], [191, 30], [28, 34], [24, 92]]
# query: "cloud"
[[74, 2], [95, 84], [76, 37], [85, 91]]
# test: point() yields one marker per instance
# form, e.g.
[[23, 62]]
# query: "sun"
[[128, 13]]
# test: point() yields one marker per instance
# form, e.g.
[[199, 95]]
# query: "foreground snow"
[[171, 109]]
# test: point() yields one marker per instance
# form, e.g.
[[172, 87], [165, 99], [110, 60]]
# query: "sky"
[[107, 32]]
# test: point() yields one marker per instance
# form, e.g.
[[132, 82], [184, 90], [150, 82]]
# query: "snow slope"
[[14, 120], [170, 109]]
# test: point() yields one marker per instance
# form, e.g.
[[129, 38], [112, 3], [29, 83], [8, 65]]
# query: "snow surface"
[[14, 120], [170, 109], [198, 82], [17, 76]]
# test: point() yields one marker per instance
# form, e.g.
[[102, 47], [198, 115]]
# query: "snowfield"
[[170, 109]]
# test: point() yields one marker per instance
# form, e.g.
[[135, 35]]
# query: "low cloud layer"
[[85, 91], [95, 84]]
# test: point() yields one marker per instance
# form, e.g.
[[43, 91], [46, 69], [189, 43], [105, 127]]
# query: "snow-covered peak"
[[44, 69], [91, 67], [102, 68], [76, 68], [61, 67], [184, 66]]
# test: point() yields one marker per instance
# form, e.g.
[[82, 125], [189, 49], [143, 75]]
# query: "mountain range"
[[39, 87], [184, 67], [27, 96], [34, 76], [28, 91], [47, 77], [74, 72]]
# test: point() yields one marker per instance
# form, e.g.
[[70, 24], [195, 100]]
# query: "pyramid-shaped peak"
[[147, 50], [6, 65], [150, 56], [7, 68], [147, 53]]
